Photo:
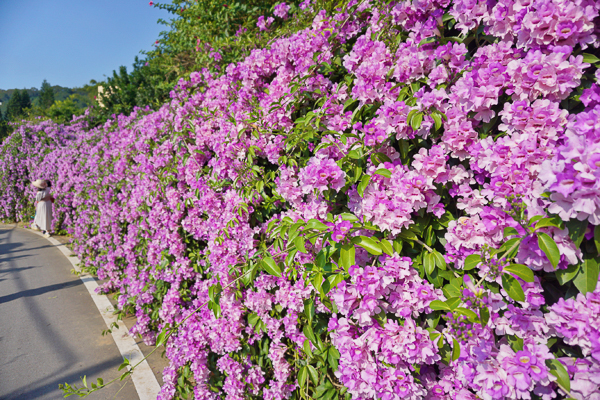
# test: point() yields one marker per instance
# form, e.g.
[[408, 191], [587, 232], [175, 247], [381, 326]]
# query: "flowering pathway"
[[50, 330]]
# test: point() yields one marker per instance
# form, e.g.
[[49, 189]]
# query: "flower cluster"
[[399, 200]]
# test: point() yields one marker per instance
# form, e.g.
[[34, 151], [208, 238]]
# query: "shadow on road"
[[50, 384], [38, 291]]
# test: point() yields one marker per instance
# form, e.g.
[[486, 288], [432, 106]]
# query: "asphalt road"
[[50, 329]]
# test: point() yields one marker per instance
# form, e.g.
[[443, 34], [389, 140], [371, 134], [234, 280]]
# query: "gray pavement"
[[50, 329]]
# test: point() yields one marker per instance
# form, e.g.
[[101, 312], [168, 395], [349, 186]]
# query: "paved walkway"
[[50, 329]]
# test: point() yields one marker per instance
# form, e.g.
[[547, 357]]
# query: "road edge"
[[144, 381]]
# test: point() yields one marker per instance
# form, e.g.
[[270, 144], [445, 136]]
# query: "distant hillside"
[[82, 99]]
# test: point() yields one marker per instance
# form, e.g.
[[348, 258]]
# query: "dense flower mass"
[[400, 201]]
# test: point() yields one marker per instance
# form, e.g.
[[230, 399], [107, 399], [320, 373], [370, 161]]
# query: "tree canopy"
[[46, 95]]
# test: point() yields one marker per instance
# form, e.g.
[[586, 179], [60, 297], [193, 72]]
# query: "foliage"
[[64, 111], [46, 95], [144, 86], [21, 109], [399, 201], [204, 34], [4, 127], [18, 104]]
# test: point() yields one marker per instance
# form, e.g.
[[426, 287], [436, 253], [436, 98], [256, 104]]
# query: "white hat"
[[40, 184]]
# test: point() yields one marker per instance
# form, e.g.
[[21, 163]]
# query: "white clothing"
[[43, 210]]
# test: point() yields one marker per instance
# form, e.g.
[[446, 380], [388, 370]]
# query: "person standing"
[[43, 207]]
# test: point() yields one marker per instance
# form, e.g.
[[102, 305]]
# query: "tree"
[[3, 127], [25, 100], [17, 104], [14, 110], [46, 95], [63, 111]]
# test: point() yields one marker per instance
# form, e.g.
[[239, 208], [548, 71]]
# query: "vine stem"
[[424, 245]]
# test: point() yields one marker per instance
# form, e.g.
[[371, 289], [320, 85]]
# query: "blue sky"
[[70, 42]]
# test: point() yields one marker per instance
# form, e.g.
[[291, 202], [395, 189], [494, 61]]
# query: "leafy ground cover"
[[399, 201]]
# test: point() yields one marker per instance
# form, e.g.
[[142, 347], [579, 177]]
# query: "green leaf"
[[407, 234], [349, 217], [293, 232], [513, 288], [549, 248], [427, 40], [440, 262], [161, 339], [436, 278], [521, 271], [369, 244], [416, 121], [447, 17], [446, 218], [270, 266], [453, 302], [333, 355], [397, 244], [453, 289], [347, 256], [384, 172], [355, 154], [560, 372], [428, 262], [309, 309], [335, 279], [546, 222], [364, 182], [566, 275], [472, 261], [455, 350], [299, 243], [253, 319], [307, 349], [439, 305], [216, 308], [314, 375], [214, 291], [437, 120], [509, 248], [302, 375], [587, 277], [485, 315], [509, 231], [590, 58], [379, 158], [534, 219], [577, 230], [349, 103], [317, 281], [387, 247], [316, 224], [467, 313], [308, 332], [516, 343]]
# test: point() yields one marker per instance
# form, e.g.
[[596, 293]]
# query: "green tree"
[[14, 111], [63, 111], [3, 127], [25, 100], [144, 86], [46, 95], [204, 34]]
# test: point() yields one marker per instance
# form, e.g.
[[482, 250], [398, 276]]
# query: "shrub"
[[397, 202]]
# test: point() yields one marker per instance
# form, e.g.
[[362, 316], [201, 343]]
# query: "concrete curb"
[[143, 378]]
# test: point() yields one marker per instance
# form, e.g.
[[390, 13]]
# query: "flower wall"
[[399, 202]]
